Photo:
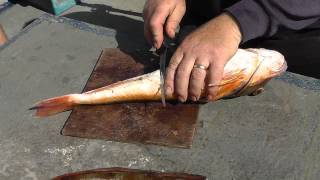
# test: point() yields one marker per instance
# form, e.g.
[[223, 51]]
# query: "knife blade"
[[168, 44], [163, 58]]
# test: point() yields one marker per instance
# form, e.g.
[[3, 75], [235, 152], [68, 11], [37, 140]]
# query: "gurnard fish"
[[245, 74]]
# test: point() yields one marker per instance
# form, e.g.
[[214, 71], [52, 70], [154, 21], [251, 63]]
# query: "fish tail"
[[55, 105]]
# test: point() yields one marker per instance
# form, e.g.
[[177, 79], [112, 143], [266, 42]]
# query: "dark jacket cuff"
[[251, 18]]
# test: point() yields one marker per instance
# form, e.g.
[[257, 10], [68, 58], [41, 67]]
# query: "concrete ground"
[[275, 135]]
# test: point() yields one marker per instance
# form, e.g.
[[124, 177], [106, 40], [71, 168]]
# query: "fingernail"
[[193, 98], [168, 90], [181, 99], [173, 33]]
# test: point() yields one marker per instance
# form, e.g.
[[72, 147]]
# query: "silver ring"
[[200, 66], [213, 85]]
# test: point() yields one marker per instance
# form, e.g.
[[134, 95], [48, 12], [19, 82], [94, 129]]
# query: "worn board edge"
[[146, 143]]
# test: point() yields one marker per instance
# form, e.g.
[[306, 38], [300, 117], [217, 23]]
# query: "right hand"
[[160, 16]]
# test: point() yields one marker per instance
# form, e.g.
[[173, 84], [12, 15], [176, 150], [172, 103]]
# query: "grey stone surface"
[[108, 13], [15, 18], [275, 135]]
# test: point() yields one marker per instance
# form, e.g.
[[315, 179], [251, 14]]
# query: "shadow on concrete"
[[116, 19], [109, 17]]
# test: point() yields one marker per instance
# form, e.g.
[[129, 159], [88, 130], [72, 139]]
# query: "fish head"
[[271, 64]]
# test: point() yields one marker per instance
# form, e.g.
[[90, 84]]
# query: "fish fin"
[[233, 76], [53, 106], [257, 92]]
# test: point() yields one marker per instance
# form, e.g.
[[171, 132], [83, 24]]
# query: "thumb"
[[174, 20]]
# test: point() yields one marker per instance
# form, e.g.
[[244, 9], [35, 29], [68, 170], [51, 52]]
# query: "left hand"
[[211, 46]]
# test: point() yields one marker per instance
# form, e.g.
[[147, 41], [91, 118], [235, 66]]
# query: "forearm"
[[262, 18]]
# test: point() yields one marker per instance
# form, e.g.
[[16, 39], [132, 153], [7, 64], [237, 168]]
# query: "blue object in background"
[[59, 6]]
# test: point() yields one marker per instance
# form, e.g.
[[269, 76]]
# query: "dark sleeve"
[[262, 18]]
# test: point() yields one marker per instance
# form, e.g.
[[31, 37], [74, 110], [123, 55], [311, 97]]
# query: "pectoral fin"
[[257, 91]]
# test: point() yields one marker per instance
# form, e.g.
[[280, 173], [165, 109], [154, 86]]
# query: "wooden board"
[[127, 174], [149, 123]]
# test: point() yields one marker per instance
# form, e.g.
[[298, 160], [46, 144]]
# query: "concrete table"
[[275, 135]]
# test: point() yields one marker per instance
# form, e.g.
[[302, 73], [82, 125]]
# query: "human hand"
[[209, 47], [159, 15]]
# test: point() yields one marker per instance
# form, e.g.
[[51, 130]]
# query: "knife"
[[163, 59], [167, 45]]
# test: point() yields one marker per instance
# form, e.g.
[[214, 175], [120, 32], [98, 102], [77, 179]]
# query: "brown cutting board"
[[150, 122]]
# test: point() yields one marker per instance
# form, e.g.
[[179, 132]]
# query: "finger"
[[146, 27], [174, 19], [145, 16], [147, 33], [214, 79], [171, 69], [156, 23], [182, 77], [197, 79]]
